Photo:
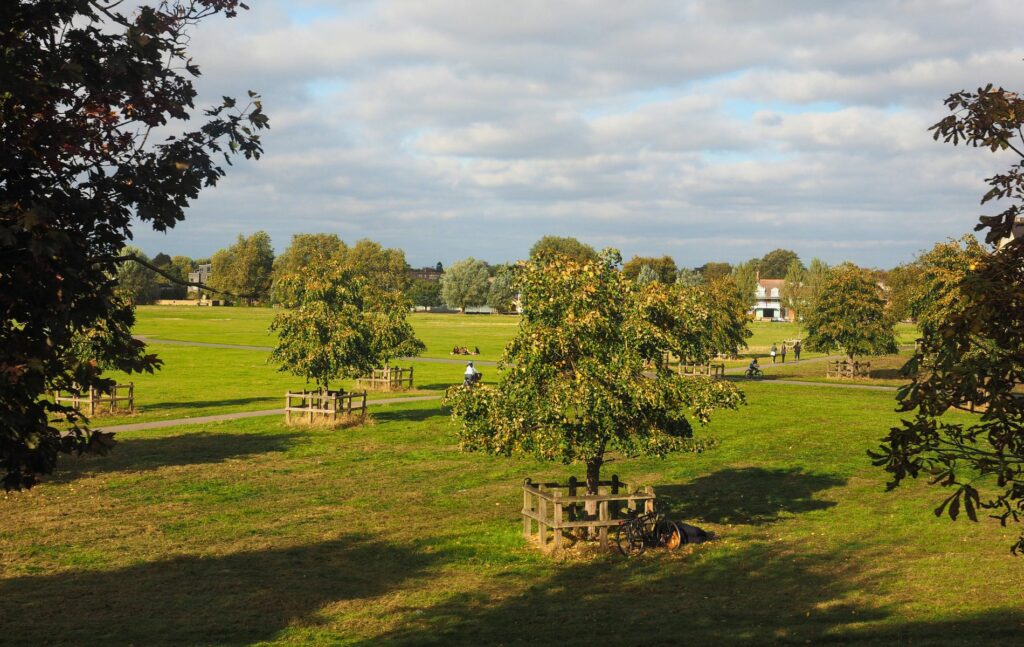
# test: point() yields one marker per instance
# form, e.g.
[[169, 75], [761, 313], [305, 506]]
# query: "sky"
[[708, 131]]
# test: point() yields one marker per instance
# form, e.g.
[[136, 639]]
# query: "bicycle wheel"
[[629, 539], [669, 534]]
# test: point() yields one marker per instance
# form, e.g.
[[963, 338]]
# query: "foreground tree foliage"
[[84, 93], [971, 354], [850, 314], [586, 375]]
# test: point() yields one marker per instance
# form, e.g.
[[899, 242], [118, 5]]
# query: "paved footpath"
[[200, 420], [461, 360]]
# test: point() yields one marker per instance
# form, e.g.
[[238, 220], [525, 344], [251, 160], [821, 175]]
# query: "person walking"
[[796, 351], [773, 352], [783, 352]]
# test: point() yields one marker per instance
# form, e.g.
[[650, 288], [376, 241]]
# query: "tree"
[[86, 92], [393, 335], [794, 290], [502, 294], [136, 283], [664, 268], [971, 352], [245, 268], [465, 284], [712, 271], [744, 275], [727, 327], [179, 270], [775, 263], [424, 293], [850, 314], [323, 334], [384, 269], [646, 275], [690, 277], [303, 249], [575, 384], [563, 246]]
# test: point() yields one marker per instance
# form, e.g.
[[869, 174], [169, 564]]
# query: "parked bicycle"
[[642, 530]]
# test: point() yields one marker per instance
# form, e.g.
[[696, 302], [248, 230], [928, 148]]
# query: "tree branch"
[[176, 280]]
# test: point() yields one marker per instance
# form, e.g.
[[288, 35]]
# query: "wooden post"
[[602, 515], [649, 503], [542, 512], [410, 377], [527, 507], [573, 507], [557, 521], [287, 408]]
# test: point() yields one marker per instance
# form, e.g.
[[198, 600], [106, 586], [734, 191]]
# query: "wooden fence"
[[847, 369], [121, 397], [327, 406], [716, 371], [552, 513], [390, 378]]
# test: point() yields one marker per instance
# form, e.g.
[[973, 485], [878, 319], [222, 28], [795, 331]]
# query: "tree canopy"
[[775, 263], [87, 92], [575, 381], [850, 314], [245, 268], [971, 352], [502, 294], [136, 283], [465, 284], [712, 271], [664, 268], [563, 246]]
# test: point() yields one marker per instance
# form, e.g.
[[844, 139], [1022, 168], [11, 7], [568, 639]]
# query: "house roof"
[[768, 284]]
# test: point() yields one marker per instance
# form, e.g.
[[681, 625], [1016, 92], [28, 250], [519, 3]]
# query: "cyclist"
[[471, 375], [754, 369]]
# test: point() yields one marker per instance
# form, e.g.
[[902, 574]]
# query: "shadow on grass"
[[206, 403], [409, 415], [185, 449], [232, 599], [761, 594], [749, 495]]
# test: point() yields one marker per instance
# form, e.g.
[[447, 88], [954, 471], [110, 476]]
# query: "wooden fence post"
[[527, 507], [542, 513], [557, 520]]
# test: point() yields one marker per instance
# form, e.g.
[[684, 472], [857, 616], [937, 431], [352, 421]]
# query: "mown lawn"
[[885, 370], [252, 532]]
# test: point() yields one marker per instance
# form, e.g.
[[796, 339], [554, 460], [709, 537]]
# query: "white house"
[[768, 305]]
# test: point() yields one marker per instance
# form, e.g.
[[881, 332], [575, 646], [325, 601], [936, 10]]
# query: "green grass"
[[252, 532], [885, 371], [198, 381]]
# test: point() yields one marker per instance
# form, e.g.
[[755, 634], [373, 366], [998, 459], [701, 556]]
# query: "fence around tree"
[[844, 368], [327, 407], [552, 509], [716, 371], [120, 398], [389, 378]]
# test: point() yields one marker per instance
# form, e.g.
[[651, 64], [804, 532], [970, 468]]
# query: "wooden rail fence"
[[328, 405], [716, 371], [847, 369], [552, 513], [118, 395], [389, 378]]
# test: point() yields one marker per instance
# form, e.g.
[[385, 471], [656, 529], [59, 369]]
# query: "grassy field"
[[250, 531]]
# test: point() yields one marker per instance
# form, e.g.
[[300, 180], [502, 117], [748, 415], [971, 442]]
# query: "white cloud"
[[705, 130]]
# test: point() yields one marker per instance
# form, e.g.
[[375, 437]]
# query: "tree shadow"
[[137, 454], [228, 599], [438, 386], [748, 495], [761, 594], [408, 415], [205, 403], [750, 595]]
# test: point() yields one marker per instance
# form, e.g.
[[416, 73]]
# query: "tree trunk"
[[594, 474]]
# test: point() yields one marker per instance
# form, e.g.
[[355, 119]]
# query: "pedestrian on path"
[[796, 351], [773, 352], [783, 352]]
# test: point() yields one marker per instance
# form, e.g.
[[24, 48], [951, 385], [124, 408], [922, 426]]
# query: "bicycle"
[[754, 372], [639, 531]]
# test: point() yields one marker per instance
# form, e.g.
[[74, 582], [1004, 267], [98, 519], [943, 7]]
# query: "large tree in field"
[[465, 284], [245, 268], [302, 250], [850, 314], [971, 353], [562, 246], [85, 94], [502, 294], [576, 382]]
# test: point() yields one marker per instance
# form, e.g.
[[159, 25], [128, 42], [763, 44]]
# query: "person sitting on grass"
[[476, 350]]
